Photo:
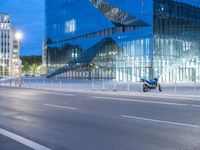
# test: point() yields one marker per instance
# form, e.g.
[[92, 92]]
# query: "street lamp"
[[18, 36]]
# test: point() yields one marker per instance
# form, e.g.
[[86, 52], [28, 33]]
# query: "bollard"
[[43, 82], [36, 83], [60, 83], [175, 90], [103, 89], [51, 83], [30, 83], [128, 87], [115, 87], [157, 88], [20, 84], [141, 87], [195, 86], [93, 89]]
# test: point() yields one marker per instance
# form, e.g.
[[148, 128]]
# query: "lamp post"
[[18, 37]]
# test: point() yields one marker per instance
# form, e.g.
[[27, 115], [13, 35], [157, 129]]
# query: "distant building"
[[123, 40], [9, 48]]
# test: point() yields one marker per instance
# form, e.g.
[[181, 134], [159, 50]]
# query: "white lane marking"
[[23, 141], [52, 93], [143, 101], [63, 107], [161, 121], [11, 99], [163, 96], [184, 97]]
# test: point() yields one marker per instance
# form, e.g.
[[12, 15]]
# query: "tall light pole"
[[18, 37]]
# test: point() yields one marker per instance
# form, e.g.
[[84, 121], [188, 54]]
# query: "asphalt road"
[[47, 120]]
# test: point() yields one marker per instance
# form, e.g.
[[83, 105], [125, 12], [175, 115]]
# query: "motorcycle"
[[150, 84]]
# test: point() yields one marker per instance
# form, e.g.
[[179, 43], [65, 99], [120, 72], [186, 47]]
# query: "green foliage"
[[30, 64]]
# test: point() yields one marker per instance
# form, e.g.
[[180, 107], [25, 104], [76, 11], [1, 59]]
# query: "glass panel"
[[176, 40], [115, 46]]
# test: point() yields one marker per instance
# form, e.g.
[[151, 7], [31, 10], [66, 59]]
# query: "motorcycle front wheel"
[[145, 88]]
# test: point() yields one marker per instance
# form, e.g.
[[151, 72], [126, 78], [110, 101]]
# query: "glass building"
[[123, 40]]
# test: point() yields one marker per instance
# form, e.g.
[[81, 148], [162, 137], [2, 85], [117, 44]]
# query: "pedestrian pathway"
[[184, 90]]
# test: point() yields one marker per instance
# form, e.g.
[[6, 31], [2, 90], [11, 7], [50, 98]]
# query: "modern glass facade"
[[176, 41], [122, 40]]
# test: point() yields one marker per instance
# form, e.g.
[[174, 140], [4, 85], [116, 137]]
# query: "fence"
[[78, 85]]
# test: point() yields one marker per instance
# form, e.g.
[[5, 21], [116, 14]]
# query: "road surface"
[[48, 120]]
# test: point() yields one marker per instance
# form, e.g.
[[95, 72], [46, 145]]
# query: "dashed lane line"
[[161, 121], [53, 93], [62, 107], [145, 101]]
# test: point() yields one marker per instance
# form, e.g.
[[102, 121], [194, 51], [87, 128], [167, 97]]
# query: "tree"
[[30, 64]]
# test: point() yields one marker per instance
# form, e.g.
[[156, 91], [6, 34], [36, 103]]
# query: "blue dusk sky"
[[27, 16]]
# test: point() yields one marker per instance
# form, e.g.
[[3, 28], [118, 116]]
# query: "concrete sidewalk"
[[182, 91], [169, 89]]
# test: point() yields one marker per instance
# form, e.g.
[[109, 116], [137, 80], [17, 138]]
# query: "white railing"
[[103, 86]]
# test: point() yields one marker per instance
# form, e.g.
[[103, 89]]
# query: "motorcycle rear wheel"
[[159, 88]]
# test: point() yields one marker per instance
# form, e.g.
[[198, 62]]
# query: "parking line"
[[63, 107], [143, 101], [161, 121], [23, 141]]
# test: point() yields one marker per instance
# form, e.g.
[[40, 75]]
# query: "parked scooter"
[[150, 84]]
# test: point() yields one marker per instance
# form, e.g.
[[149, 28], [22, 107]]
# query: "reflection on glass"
[[111, 40]]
